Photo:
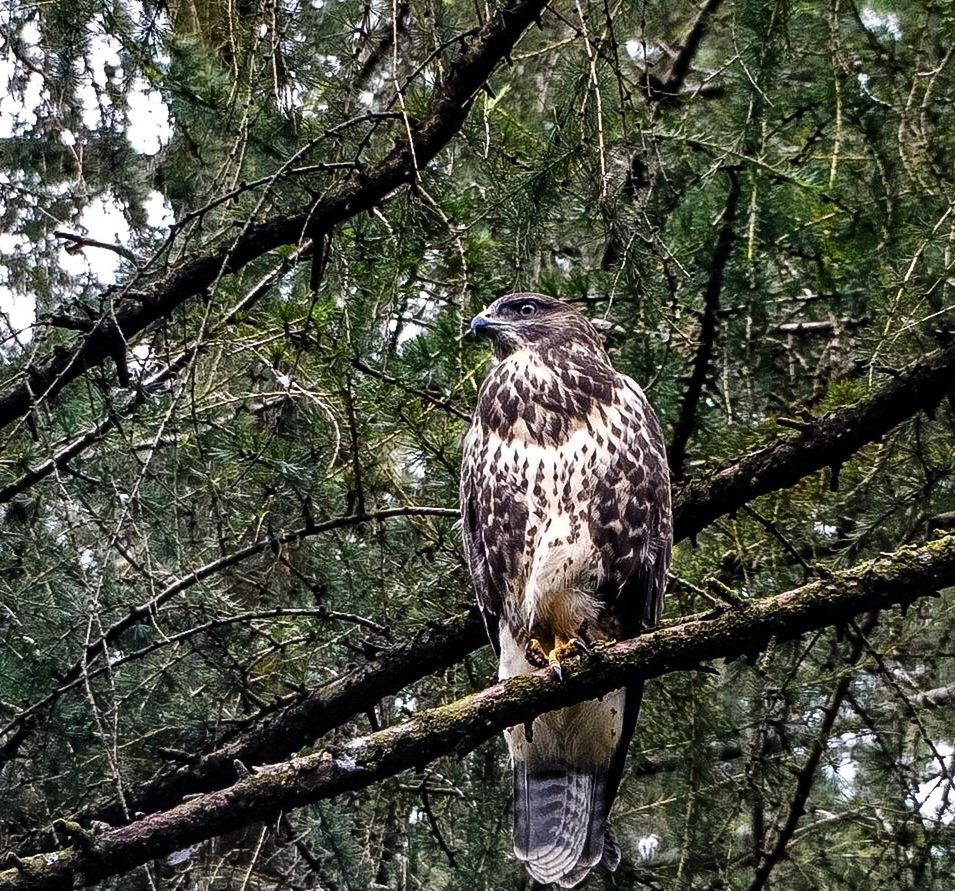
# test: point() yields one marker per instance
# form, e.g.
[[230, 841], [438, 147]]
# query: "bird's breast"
[[525, 398], [551, 488]]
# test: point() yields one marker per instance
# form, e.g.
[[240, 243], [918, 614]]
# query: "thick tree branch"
[[435, 648], [828, 442], [697, 503], [691, 45], [458, 728], [144, 612], [46, 377], [706, 347]]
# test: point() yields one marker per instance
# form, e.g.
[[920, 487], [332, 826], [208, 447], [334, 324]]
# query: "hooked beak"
[[481, 325]]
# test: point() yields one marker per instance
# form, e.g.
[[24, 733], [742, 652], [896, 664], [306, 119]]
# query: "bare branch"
[[687, 419], [433, 649], [449, 106], [78, 242], [668, 89], [143, 611], [81, 443]]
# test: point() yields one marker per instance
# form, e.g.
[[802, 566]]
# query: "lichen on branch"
[[893, 579]]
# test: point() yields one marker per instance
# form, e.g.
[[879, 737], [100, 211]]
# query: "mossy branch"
[[894, 579], [698, 502], [434, 648], [828, 442]]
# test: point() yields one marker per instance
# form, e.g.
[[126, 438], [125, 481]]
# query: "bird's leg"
[[563, 649], [535, 653]]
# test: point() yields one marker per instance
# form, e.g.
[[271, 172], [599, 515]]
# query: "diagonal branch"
[[66, 453], [680, 67], [449, 106], [807, 774], [667, 90], [828, 442], [80, 241], [144, 612], [458, 728], [697, 503], [435, 648]]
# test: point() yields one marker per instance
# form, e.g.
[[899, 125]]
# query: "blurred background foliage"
[[162, 129]]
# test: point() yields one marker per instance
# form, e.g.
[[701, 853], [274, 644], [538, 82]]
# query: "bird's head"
[[532, 321]]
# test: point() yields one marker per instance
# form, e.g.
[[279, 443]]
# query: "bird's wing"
[[632, 526], [630, 518], [476, 512]]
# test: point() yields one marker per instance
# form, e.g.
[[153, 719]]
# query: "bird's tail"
[[560, 821]]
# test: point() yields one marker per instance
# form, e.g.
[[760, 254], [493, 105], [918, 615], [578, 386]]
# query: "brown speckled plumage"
[[565, 501]]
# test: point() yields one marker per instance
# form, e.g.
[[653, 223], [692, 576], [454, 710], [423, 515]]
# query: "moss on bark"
[[894, 579]]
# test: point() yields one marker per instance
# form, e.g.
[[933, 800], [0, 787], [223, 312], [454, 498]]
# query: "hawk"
[[565, 502]]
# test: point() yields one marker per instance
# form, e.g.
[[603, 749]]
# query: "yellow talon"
[[537, 654], [536, 648], [562, 650]]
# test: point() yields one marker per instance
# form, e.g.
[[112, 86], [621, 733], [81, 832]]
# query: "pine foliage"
[[330, 379]]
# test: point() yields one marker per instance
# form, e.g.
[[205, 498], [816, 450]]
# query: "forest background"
[[241, 243]]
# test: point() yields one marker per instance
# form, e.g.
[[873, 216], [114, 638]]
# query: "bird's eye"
[[527, 309]]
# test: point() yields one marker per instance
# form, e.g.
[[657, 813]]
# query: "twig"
[[144, 611], [774, 530], [433, 823], [81, 241], [687, 419], [277, 735], [415, 391]]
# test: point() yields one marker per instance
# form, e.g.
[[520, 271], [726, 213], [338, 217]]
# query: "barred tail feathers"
[[560, 825], [567, 772]]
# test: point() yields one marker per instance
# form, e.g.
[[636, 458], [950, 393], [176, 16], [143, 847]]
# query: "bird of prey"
[[565, 502]]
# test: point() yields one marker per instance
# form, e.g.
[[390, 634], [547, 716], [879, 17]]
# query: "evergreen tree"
[[242, 242]]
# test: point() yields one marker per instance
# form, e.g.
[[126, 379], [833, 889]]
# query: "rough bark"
[[828, 442], [895, 579], [433, 649]]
